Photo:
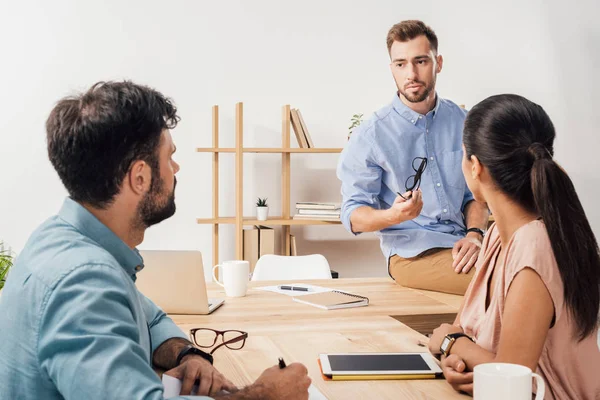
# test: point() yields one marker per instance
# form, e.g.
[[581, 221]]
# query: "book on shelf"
[[258, 241], [317, 217], [308, 211], [293, 250], [305, 130], [317, 206], [297, 127]]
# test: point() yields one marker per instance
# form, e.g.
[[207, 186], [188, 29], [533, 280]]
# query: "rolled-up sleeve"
[[360, 174], [468, 197], [162, 328], [88, 339]]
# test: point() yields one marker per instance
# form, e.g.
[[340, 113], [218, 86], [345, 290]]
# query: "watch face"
[[445, 343]]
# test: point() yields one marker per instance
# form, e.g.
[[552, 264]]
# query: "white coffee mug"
[[500, 381], [235, 277]]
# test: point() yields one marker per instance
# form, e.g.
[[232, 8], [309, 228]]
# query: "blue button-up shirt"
[[377, 161], [72, 323]]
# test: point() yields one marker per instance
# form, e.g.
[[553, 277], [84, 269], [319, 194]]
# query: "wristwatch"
[[476, 230], [449, 341], [189, 349]]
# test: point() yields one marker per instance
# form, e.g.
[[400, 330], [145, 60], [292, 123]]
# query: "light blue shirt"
[[72, 323], [377, 160]]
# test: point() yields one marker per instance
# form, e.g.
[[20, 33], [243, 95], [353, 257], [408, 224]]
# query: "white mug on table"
[[500, 381], [235, 277]]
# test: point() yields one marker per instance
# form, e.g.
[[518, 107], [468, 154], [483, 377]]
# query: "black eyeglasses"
[[206, 338], [413, 182]]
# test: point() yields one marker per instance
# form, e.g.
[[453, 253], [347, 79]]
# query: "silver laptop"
[[174, 281]]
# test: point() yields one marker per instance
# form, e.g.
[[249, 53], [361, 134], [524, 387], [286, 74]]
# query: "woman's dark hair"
[[513, 138], [93, 138]]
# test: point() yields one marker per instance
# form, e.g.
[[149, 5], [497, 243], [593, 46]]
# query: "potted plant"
[[262, 209], [355, 121], [6, 261]]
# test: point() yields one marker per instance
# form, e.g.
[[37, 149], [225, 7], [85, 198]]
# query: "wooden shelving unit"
[[285, 220]]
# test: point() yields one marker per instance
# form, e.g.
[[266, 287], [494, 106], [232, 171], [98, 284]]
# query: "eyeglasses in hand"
[[206, 338], [413, 182]]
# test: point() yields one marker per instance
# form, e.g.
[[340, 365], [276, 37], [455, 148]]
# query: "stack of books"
[[318, 211]]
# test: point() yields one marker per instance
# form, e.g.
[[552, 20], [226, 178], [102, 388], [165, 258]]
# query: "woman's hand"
[[454, 369]]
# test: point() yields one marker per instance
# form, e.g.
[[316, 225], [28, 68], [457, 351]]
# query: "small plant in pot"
[[356, 120], [6, 262], [262, 209]]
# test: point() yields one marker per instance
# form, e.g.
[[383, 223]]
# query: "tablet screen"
[[378, 362]]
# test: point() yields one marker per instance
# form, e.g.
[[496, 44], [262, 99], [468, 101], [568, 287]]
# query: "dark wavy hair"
[[513, 138], [93, 138]]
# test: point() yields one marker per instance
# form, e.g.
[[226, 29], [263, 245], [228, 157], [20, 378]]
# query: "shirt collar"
[[86, 223], [411, 115]]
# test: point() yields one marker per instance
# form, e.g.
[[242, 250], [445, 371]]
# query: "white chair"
[[272, 267]]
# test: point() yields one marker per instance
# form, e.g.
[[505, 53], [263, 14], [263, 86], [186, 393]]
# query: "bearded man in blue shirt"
[[402, 178], [72, 323]]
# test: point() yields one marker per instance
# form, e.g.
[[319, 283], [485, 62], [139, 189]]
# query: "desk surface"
[[280, 327], [386, 298]]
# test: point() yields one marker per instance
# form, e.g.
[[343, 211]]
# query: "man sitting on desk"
[[430, 234], [73, 324]]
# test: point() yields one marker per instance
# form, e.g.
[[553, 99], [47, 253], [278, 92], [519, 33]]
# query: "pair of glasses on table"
[[206, 338], [413, 182]]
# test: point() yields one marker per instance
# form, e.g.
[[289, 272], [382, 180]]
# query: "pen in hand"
[[281, 363]]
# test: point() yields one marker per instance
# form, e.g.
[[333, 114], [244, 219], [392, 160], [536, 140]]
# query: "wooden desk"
[[386, 298], [280, 327]]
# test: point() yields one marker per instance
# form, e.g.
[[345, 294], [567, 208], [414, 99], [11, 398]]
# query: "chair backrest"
[[272, 267]]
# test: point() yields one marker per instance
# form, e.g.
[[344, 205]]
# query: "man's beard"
[[417, 98], [154, 208]]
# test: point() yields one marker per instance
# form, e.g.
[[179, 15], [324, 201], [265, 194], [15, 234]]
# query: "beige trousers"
[[430, 270]]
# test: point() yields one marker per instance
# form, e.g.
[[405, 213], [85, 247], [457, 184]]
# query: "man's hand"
[[465, 253], [439, 333], [454, 369], [290, 383], [193, 368], [404, 210]]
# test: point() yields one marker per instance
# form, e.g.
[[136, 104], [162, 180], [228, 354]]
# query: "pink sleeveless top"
[[571, 369]]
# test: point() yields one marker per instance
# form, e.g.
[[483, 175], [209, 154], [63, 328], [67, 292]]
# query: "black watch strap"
[[459, 335], [189, 349], [477, 230]]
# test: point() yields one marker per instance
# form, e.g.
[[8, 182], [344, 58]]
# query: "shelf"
[[314, 150], [269, 221]]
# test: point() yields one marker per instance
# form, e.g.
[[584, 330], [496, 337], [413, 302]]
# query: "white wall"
[[326, 57]]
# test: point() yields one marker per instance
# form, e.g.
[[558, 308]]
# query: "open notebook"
[[333, 300]]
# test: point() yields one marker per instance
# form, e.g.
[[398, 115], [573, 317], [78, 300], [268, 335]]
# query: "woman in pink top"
[[535, 297]]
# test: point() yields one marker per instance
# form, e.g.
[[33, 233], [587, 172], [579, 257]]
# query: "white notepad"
[[333, 300]]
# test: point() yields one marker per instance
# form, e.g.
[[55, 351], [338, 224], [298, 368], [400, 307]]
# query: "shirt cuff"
[[163, 331], [345, 218]]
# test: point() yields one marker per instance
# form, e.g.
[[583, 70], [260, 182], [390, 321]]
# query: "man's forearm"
[[367, 219], [476, 215], [165, 356], [252, 392]]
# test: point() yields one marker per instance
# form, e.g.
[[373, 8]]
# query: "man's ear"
[[439, 63], [139, 177]]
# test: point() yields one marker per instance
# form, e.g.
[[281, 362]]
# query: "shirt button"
[[420, 116], [427, 130], [138, 268], [445, 210], [431, 158], [413, 121], [438, 185], [446, 222]]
